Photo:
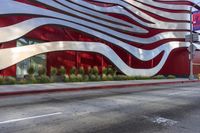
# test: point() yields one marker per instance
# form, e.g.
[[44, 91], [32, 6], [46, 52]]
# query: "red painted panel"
[[177, 63]]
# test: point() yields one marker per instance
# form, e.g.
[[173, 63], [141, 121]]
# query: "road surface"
[[153, 109]]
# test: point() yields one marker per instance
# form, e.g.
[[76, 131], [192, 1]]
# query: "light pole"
[[191, 77]]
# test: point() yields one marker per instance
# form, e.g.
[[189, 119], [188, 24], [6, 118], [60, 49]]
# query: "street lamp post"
[[191, 77]]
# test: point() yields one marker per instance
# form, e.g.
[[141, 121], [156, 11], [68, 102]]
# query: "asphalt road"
[[154, 109]]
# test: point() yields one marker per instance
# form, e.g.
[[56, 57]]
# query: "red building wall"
[[177, 63]]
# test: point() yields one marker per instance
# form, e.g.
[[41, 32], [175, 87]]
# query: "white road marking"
[[28, 118]]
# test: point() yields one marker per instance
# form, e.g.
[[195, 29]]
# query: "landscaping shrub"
[[53, 71], [81, 71], [41, 70], [89, 70], [79, 77], [198, 76], [66, 78], [92, 77], [131, 77], [95, 70], [22, 81], [85, 78], [1, 79], [44, 79], [72, 70], [98, 78], [104, 77], [31, 70], [110, 71], [10, 80], [104, 71], [122, 77], [159, 77], [142, 77], [32, 80], [73, 78], [62, 71], [110, 77], [171, 77]]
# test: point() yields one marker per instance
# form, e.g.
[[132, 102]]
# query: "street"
[[152, 109]]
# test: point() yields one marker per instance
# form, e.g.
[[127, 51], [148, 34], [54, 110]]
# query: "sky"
[[196, 1]]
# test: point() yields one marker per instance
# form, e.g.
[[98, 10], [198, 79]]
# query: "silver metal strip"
[[94, 19], [157, 24], [15, 31], [169, 15], [99, 15], [18, 30], [165, 6], [14, 7]]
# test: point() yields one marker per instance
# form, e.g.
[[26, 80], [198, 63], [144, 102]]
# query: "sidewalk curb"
[[92, 88]]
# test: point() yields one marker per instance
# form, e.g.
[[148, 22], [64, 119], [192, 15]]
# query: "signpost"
[[193, 37]]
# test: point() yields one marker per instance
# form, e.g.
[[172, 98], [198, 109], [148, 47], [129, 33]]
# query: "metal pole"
[[191, 77]]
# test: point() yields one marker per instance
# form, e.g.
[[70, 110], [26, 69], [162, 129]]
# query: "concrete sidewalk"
[[80, 86]]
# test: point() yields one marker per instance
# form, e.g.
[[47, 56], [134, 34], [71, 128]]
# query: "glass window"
[[36, 61]]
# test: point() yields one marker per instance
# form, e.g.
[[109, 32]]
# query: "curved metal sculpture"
[[91, 19]]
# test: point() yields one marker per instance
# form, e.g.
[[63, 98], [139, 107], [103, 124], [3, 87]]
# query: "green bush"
[[141, 77], [41, 70], [54, 71], [10, 80], [79, 77], [22, 81], [44, 79], [81, 70], [104, 77], [95, 70], [98, 78], [73, 78], [1, 79], [159, 77], [104, 71], [31, 70], [171, 77], [66, 78], [122, 77], [110, 77], [85, 78], [89, 70], [131, 77], [72, 70], [110, 71], [92, 77], [32, 80], [62, 71]]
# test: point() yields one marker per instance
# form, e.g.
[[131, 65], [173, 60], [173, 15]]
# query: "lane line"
[[28, 118]]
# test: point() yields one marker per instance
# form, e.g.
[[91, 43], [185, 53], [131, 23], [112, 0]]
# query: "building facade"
[[137, 37]]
